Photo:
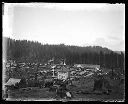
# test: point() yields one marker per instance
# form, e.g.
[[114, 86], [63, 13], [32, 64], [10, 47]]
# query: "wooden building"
[[63, 73]]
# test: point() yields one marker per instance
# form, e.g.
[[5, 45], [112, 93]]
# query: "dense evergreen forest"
[[30, 51]]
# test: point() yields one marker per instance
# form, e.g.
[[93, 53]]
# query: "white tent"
[[12, 81]]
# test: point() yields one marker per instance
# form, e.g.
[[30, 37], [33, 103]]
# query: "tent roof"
[[13, 81]]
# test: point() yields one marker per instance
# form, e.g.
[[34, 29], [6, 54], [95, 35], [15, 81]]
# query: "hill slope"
[[23, 50]]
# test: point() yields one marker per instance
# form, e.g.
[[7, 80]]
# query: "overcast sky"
[[78, 24]]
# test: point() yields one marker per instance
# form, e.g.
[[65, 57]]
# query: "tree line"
[[33, 51]]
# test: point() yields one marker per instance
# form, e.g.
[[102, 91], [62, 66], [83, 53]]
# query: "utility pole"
[[64, 62], [53, 72]]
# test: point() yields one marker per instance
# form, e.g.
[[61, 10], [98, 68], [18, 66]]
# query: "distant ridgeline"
[[30, 51]]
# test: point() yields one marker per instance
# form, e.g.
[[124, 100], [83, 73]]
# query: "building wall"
[[62, 75]]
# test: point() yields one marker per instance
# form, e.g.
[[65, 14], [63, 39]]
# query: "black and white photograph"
[[63, 52]]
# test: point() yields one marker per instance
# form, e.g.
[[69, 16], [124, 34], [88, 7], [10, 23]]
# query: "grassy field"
[[83, 85]]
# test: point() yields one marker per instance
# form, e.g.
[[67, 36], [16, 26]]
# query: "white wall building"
[[64, 73]]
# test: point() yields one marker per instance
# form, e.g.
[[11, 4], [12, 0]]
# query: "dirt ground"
[[78, 87]]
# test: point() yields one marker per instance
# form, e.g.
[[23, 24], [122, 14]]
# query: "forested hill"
[[23, 50]]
